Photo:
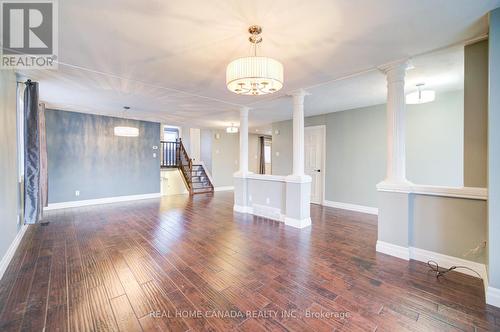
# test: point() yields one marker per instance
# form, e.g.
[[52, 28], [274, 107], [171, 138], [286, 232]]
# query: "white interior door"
[[194, 144], [314, 159]]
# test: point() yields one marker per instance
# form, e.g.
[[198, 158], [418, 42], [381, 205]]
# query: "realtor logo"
[[29, 34]]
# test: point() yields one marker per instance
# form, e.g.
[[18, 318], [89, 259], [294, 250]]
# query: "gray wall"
[[8, 161], [206, 137], [435, 141], [84, 155], [476, 114], [356, 148], [449, 226], [225, 157], [494, 150]]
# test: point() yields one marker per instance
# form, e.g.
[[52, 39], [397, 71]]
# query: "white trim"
[[242, 209], [266, 177], [4, 263], [298, 223], [393, 250], [351, 207], [224, 188], [493, 296], [456, 192], [105, 200], [269, 212], [446, 262], [298, 179]]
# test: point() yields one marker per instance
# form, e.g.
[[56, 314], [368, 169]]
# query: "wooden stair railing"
[[174, 154]]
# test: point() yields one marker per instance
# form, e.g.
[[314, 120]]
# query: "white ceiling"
[[167, 59]]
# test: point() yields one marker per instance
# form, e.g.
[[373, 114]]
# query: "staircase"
[[174, 155]]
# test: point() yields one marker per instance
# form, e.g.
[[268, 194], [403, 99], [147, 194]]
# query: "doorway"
[[314, 159]]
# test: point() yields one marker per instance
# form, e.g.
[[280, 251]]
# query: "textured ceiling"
[[167, 59]]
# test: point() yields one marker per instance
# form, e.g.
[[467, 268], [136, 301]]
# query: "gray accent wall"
[[356, 148], [8, 161], [494, 151], [476, 114], [85, 155]]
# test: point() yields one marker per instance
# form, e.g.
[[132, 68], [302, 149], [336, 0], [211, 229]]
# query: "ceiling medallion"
[[254, 75]]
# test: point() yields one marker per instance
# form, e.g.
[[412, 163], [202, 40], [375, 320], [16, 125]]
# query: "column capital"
[[299, 93], [396, 70]]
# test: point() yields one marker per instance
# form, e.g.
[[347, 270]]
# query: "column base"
[[242, 209], [298, 223]]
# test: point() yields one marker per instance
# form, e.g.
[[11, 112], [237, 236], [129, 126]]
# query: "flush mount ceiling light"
[[254, 75], [420, 96], [232, 129], [125, 131]]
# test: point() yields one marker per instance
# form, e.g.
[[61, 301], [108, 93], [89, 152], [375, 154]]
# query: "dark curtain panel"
[[32, 202], [262, 161]]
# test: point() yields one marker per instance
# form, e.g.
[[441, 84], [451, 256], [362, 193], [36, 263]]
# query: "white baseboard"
[[393, 250], [224, 188], [273, 214], [268, 212], [106, 200], [446, 262], [242, 209], [4, 263], [493, 296], [298, 223], [351, 207]]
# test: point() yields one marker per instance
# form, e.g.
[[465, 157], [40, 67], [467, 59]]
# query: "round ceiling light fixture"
[[232, 129], [420, 96], [254, 75]]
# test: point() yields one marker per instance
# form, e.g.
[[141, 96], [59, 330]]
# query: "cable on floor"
[[439, 271]]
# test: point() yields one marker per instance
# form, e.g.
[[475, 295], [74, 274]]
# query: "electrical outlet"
[[77, 193]]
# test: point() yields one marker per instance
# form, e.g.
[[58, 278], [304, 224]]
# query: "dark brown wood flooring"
[[192, 264]]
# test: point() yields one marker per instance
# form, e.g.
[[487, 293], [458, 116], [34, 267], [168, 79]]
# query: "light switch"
[[277, 153], [154, 154]]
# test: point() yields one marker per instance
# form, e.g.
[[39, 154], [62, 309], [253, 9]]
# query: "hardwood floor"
[[192, 264]]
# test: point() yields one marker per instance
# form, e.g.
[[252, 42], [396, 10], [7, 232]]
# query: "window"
[[170, 134], [267, 153]]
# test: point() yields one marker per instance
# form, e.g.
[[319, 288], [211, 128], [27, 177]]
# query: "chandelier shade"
[[254, 75]]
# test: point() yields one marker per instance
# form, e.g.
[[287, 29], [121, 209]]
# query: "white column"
[[244, 141], [396, 108], [298, 132]]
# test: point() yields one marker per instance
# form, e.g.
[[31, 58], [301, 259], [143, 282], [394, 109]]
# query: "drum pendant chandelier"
[[254, 75]]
